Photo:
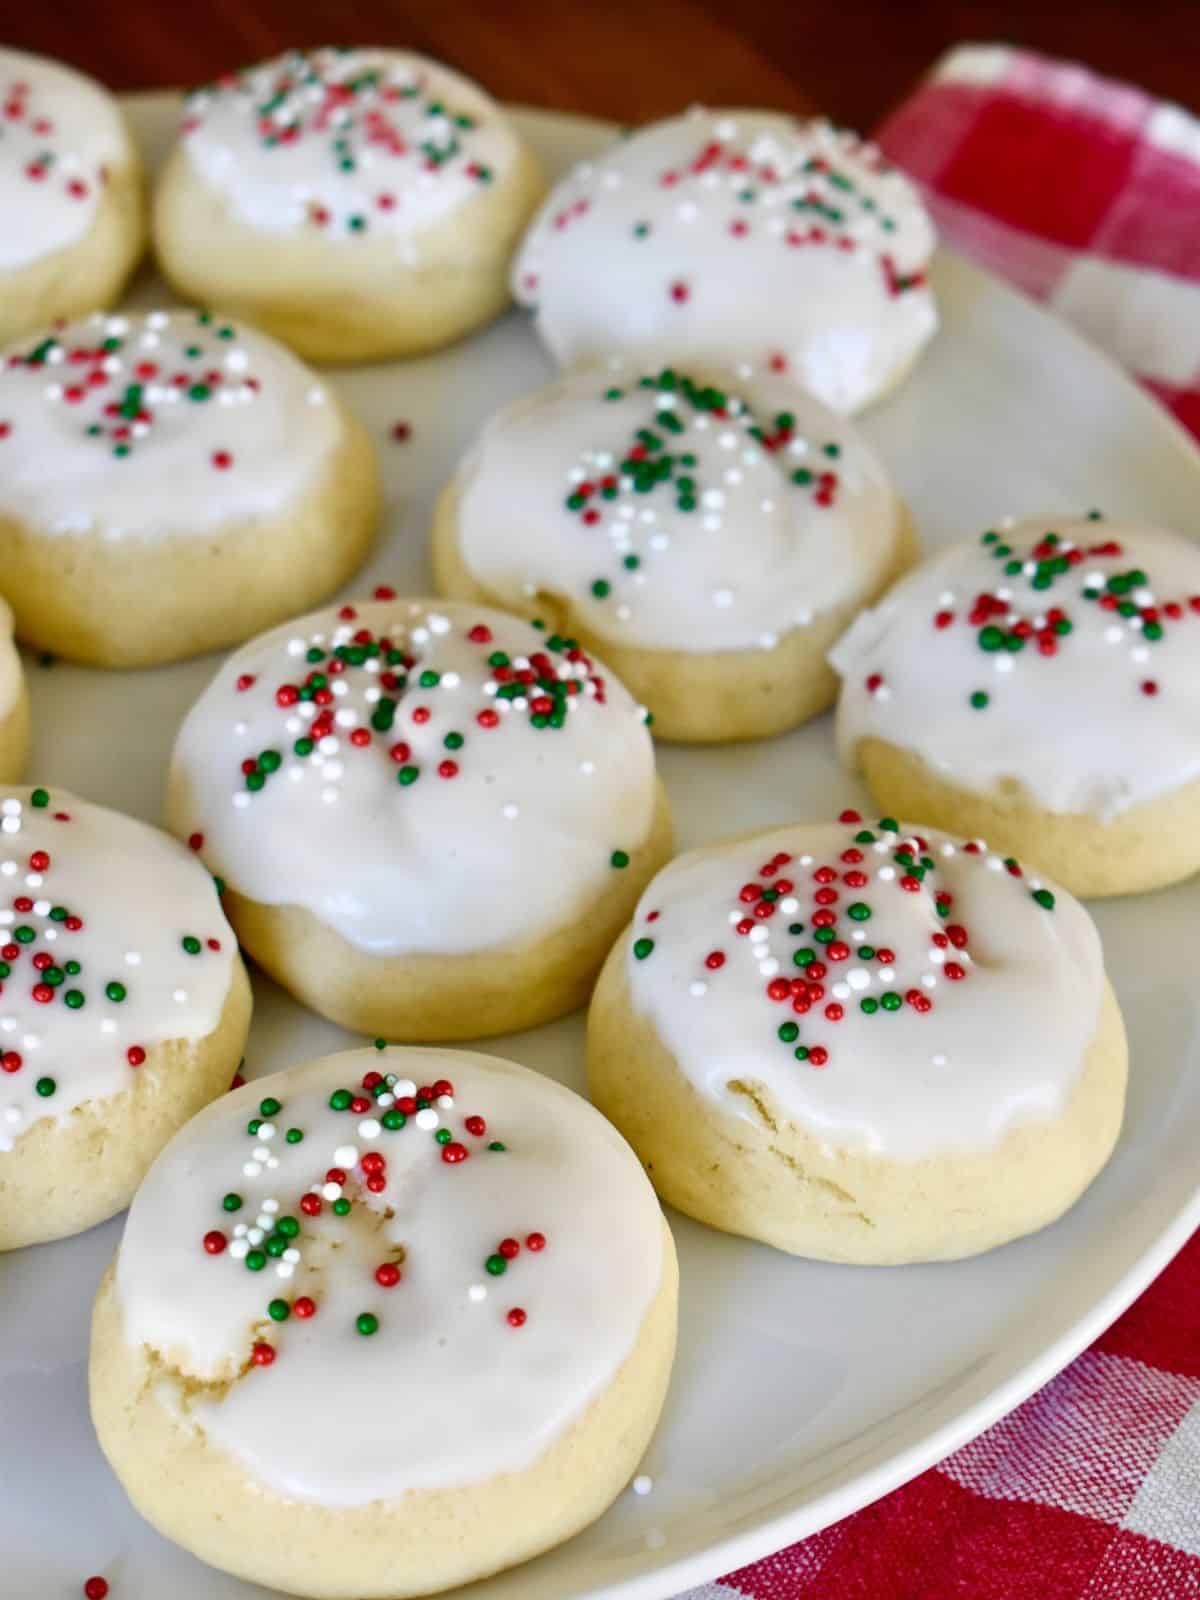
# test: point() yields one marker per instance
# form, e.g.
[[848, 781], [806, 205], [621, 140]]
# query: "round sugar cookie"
[[171, 482], [384, 1324], [71, 188], [433, 820], [358, 204], [124, 1007], [710, 538], [14, 703], [1040, 688], [739, 239], [860, 1042]]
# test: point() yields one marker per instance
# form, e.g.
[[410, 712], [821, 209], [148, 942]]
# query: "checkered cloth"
[[1086, 194]]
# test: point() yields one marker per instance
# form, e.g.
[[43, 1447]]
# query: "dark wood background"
[[852, 60]]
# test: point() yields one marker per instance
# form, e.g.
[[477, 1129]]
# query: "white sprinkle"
[[331, 1191], [642, 1484], [251, 1169], [239, 1249], [697, 988], [477, 1292], [368, 1128], [346, 1155], [427, 1119]]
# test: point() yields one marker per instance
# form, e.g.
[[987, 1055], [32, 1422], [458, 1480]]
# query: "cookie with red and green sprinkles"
[[70, 187], [742, 239], [1040, 684], [891, 1044], [132, 439], [318, 163], [680, 518], [123, 1007], [386, 1276], [410, 802]]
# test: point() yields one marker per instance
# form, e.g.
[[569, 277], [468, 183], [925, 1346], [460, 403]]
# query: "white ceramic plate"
[[802, 1391]]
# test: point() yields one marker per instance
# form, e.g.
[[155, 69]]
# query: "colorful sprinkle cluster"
[[128, 380], [806, 923], [380, 1107], [618, 484], [37, 961], [364, 689], [28, 144], [799, 199], [377, 127], [1015, 617]]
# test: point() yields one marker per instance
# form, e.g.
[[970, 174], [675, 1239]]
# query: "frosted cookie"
[[740, 239], [172, 482], [433, 820], [711, 538], [1040, 688], [355, 203], [860, 1043], [384, 1324], [14, 703], [124, 1007], [71, 189]]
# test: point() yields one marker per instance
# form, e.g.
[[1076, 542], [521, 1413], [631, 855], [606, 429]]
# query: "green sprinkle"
[[294, 1135], [232, 1202], [642, 948], [256, 1260], [340, 1099], [979, 699], [1044, 898], [45, 1087], [497, 1266], [191, 944], [367, 1323], [619, 858], [341, 1207], [279, 1311]]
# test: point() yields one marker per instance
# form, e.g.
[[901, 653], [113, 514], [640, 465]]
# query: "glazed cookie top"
[[113, 941], [60, 137], [347, 143], [901, 994], [148, 423], [743, 238], [391, 1270], [472, 781], [1064, 655], [675, 512]]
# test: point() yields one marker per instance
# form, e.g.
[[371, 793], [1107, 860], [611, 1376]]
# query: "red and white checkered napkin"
[[1086, 194]]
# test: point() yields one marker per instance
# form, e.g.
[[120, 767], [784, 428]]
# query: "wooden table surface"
[[851, 60]]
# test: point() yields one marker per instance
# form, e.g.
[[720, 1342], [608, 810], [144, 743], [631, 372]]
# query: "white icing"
[[446, 1392], [347, 143], [711, 236], [10, 662], [60, 135], [515, 842], [1001, 1044], [728, 553], [199, 423], [138, 895], [1077, 729]]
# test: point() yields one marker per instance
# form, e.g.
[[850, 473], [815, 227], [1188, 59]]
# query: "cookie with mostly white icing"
[[861, 1042], [71, 191], [385, 1323], [433, 820], [710, 537], [172, 482], [1040, 687], [14, 703], [358, 204], [124, 1007], [739, 239]]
